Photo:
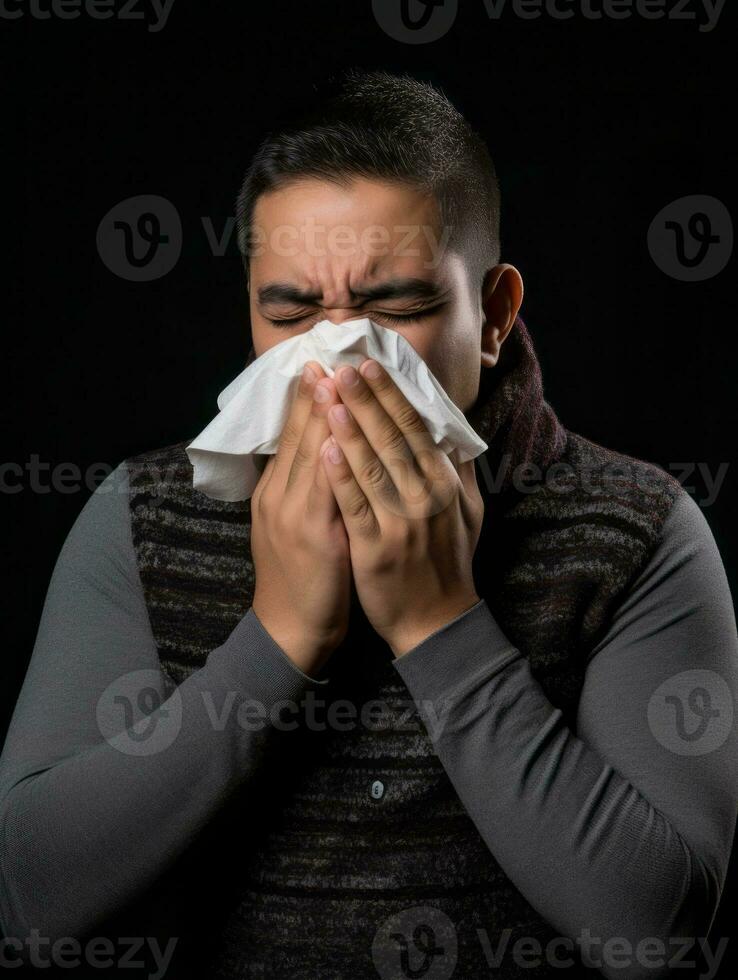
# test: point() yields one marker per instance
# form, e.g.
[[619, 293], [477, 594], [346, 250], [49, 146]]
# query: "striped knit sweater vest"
[[351, 825]]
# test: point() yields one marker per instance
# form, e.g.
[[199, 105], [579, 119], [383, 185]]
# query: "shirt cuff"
[[455, 657], [261, 667]]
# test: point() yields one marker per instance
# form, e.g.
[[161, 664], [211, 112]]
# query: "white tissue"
[[255, 405]]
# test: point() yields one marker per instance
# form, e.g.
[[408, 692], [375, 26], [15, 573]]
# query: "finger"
[[405, 416], [466, 471], [369, 474], [467, 474], [268, 470], [297, 418], [321, 502], [266, 475], [471, 495], [396, 438], [460, 468], [356, 511], [306, 459]]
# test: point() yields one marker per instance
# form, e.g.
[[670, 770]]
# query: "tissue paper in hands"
[[254, 406]]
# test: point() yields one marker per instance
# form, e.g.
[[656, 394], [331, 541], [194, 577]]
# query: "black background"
[[594, 127]]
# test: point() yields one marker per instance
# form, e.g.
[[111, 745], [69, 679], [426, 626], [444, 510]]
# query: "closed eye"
[[413, 317]]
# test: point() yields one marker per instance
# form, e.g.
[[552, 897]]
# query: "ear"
[[502, 296]]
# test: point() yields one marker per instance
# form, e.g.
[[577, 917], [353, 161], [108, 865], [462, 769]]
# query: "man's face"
[[369, 249]]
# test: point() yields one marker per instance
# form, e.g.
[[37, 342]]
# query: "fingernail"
[[334, 454], [340, 413], [321, 393], [370, 369], [308, 374], [349, 376]]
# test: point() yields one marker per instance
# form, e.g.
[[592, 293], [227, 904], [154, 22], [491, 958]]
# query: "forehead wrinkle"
[[358, 276], [334, 291], [337, 280]]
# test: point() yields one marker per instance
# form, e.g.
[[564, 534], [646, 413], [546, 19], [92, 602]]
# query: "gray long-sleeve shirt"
[[622, 827]]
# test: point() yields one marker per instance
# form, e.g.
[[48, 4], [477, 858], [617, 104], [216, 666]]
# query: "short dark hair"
[[394, 128]]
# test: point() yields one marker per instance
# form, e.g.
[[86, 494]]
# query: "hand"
[[298, 540], [413, 516]]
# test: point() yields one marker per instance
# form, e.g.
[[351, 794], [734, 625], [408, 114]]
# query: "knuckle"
[[302, 457], [408, 418], [364, 396], [290, 434], [358, 507], [384, 382], [391, 440], [372, 472], [344, 476], [363, 516], [354, 437]]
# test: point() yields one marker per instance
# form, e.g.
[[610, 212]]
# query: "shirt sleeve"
[[623, 827], [109, 770]]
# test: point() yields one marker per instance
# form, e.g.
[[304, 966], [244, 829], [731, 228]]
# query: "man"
[[410, 725]]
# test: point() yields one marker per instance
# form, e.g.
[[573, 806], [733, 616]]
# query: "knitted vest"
[[351, 825]]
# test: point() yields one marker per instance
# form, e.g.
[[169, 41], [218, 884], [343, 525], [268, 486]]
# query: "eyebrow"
[[410, 288]]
